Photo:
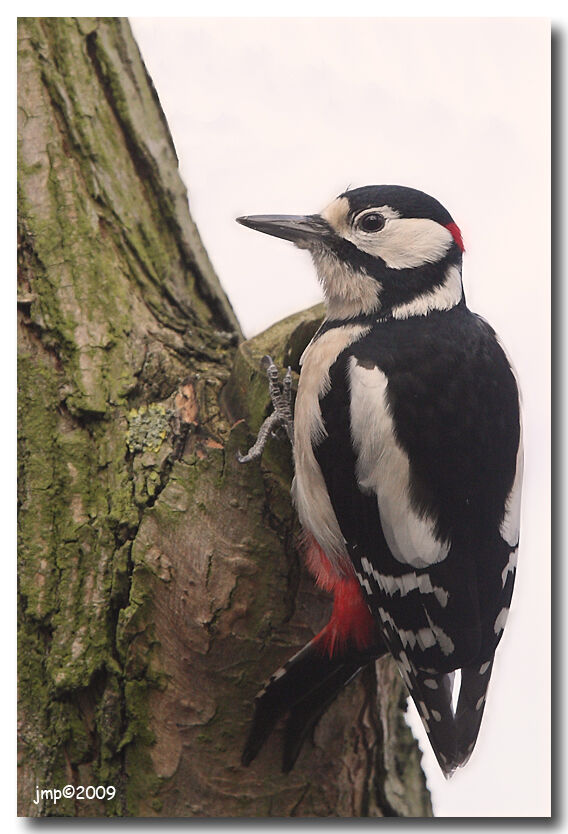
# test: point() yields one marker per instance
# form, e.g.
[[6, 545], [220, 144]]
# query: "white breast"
[[308, 489]]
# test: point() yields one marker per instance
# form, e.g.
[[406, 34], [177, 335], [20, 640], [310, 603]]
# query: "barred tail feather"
[[451, 735], [470, 708], [432, 694]]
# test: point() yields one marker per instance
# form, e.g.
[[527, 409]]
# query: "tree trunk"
[[159, 581]]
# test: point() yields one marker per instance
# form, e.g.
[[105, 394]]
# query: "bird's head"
[[383, 249]]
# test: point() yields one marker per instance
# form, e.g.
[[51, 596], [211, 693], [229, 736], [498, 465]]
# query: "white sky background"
[[281, 115]]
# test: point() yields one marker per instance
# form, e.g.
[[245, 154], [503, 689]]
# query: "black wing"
[[419, 460]]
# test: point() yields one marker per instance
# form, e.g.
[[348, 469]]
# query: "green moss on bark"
[[159, 580], [108, 286]]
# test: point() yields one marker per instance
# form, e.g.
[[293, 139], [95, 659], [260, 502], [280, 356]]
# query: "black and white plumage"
[[408, 455]]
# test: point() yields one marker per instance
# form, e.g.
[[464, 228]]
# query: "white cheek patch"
[[405, 242], [308, 489], [384, 469]]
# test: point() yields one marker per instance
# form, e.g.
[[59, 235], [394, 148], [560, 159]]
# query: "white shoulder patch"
[[384, 468], [445, 297], [510, 526]]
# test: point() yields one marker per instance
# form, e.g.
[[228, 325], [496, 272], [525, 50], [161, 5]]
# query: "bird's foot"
[[281, 396]]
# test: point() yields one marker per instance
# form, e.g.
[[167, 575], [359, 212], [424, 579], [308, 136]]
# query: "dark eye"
[[372, 222]]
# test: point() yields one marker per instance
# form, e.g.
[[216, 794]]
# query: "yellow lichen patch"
[[147, 427]]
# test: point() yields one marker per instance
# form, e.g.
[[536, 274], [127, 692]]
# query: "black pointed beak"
[[297, 228]]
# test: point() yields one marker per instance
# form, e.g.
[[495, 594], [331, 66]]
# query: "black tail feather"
[[288, 685], [305, 687], [310, 681], [307, 712]]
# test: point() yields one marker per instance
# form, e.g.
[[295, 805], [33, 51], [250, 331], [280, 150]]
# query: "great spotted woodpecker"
[[408, 466]]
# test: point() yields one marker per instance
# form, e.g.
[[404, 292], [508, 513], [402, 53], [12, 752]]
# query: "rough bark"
[[159, 580]]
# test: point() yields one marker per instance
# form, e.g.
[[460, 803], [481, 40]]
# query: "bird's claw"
[[281, 396]]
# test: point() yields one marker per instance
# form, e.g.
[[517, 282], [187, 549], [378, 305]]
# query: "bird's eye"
[[373, 222]]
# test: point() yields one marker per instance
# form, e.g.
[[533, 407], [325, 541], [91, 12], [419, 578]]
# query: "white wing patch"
[[501, 620], [443, 640], [510, 566], [384, 469], [308, 489], [423, 638], [510, 525], [406, 583]]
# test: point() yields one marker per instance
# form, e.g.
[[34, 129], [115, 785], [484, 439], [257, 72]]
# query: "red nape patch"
[[456, 234], [350, 621]]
